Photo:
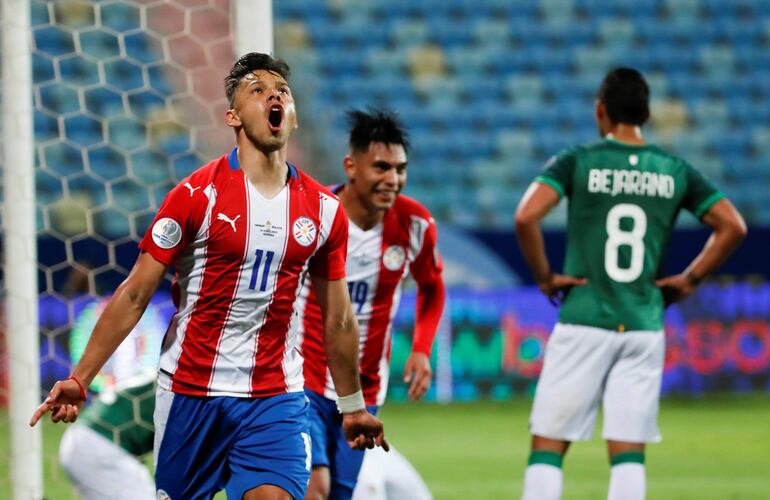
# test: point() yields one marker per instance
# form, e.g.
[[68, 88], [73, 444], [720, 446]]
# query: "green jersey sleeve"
[[700, 194], [558, 172]]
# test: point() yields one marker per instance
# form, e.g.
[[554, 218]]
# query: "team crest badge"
[[303, 231], [166, 233], [393, 258], [162, 495]]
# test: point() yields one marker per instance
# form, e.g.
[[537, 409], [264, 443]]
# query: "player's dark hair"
[[375, 125], [626, 96], [249, 63]]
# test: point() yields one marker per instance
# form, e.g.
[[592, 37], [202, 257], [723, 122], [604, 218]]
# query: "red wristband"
[[82, 390]]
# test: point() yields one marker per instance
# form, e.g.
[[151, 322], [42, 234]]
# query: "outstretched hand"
[[557, 286], [418, 374], [64, 402], [363, 430], [675, 288]]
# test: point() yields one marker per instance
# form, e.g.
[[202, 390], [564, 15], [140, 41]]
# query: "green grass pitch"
[[715, 447]]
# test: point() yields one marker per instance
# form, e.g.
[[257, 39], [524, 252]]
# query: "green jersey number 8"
[[617, 237]]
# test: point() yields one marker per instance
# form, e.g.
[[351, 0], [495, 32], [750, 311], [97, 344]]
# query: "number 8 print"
[[616, 237]]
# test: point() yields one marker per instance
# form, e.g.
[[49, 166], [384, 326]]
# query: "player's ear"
[[350, 167], [232, 119], [600, 111]]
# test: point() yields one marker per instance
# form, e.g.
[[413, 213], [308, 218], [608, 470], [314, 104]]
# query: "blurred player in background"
[[102, 452], [390, 236], [624, 198], [389, 476], [241, 231]]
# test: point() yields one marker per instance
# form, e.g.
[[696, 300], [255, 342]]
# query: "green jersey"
[[124, 414], [623, 203]]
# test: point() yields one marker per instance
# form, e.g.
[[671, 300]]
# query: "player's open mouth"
[[275, 118]]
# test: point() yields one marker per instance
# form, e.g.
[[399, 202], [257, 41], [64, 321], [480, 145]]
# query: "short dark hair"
[[375, 125], [249, 63], [626, 96]]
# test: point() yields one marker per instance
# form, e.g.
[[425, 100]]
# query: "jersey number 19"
[[617, 237]]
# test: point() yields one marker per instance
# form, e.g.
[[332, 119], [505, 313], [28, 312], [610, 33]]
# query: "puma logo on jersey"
[[221, 216], [192, 189]]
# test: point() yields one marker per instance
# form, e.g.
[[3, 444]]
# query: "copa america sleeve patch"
[[166, 233]]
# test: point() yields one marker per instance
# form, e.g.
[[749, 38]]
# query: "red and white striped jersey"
[[240, 260], [378, 260]]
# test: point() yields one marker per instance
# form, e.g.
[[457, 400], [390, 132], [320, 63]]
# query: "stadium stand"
[[489, 89]]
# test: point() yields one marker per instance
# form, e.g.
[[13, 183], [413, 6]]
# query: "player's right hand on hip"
[[557, 286], [363, 430], [64, 402]]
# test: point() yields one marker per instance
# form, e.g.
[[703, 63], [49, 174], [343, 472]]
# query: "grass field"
[[714, 448]]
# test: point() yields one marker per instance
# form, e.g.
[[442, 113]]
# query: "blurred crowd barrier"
[[716, 340]]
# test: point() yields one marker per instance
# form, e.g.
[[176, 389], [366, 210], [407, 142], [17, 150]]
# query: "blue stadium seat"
[[59, 98], [53, 41], [104, 102], [123, 74], [143, 48], [48, 188], [78, 70], [107, 163], [491, 31], [83, 130], [88, 187], [448, 33], [120, 16], [300, 9], [127, 133], [99, 44]]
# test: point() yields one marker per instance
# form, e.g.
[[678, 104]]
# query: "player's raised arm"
[[539, 199], [121, 315], [729, 229]]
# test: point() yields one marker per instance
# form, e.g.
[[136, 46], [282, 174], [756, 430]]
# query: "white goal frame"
[[19, 238]]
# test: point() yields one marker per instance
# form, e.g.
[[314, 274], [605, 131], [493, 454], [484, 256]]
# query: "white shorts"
[[584, 365], [101, 469], [389, 476]]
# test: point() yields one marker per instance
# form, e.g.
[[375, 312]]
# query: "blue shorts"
[[330, 448], [210, 443]]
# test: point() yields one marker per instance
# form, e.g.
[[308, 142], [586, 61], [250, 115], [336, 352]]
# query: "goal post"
[[253, 26], [20, 250]]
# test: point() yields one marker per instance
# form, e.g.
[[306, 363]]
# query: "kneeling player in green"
[[608, 345]]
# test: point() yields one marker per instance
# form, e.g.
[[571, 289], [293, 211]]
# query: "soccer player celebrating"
[[608, 344], [241, 231], [391, 236]]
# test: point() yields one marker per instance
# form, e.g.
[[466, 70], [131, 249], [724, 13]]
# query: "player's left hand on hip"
[[418, 374], [363, 430], [675, 288]]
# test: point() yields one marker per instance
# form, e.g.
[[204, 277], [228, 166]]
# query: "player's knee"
[[319, 487]]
